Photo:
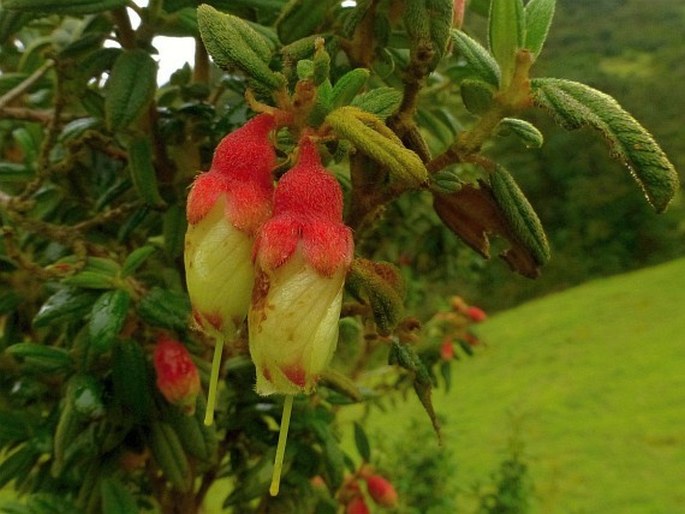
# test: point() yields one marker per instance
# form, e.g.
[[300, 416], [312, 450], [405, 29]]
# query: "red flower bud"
[[302, 254], [226, 207], [357, 506], [476, 314], [447, 350], [381, 491], [177, 376]]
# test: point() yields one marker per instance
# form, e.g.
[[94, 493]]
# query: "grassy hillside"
[[596, 376]]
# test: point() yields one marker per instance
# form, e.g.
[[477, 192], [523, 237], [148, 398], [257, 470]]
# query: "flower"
[[177, 376], [476, 314], [447, 350], [302, 255], [226, 206], [381, 491], [357, 505]]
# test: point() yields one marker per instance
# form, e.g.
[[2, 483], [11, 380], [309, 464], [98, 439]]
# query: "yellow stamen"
[[214, 380], [280, 449]]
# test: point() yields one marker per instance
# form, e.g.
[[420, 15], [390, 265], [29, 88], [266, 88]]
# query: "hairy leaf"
[[478, 59], [506, 34], [539, 14], [64, 6], [130, 88], [576, 105]]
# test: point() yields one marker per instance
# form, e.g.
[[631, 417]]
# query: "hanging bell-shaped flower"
[[302, 255], [226, 206]]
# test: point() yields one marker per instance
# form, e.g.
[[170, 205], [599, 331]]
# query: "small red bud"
[[476, 314], [382, 491], [357, 506], [318, 484], [177, 376], [447, 350]]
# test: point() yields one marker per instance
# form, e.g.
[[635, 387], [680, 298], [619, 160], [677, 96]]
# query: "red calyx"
[[308, 207], [476, 314], [241, 169]]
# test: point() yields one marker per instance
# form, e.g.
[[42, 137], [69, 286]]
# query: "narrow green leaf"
[[575, 105], [17, 464], [169, 455], [232, 42], [523, 130], [130, 88], [379, 144], [479, 61], [165, 308], [41, 357], [116, 498], [11, 22], [362, 442], [174, 230], [64, 6], [347, 86], [136, 259], [539, 14], [131, 379], [382, 101], [520, 214], [107, 319], [506, 34], [142, 170], [300, 18], [67, 304]]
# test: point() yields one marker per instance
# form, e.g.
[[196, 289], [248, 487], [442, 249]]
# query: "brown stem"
[[25, 114], [201, 69], [127, 37]]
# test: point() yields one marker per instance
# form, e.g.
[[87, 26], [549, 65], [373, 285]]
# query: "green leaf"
[[131, 379], [348, 86], [523, 130], [362, 442], [381, 101], [477, 96], [174, 230], [506, 34], [520, 214], [165, 308], [479, 61], [67, 304], [130, 88], [107, 319], [41, 357], [11, 22], [576, 105], [300, 18], [539, 14], [143, 171], [17, 464], [169, 455], [116, 498], [136, 259], [64, 6], [370, 136], [232, 42]]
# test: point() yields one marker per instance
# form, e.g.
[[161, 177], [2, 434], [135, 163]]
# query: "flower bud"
[[226, 206], [381, 491], [177, 376], [357, 506], [302, 255], [476, 314], [447, 350]]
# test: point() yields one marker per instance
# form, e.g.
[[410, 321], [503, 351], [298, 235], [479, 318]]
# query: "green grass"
[[596, 376]]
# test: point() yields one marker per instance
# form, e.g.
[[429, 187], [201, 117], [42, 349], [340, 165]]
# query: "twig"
[[21, 88], [25, 114]]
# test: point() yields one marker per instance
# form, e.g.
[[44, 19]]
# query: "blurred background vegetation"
[[598, 223]]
